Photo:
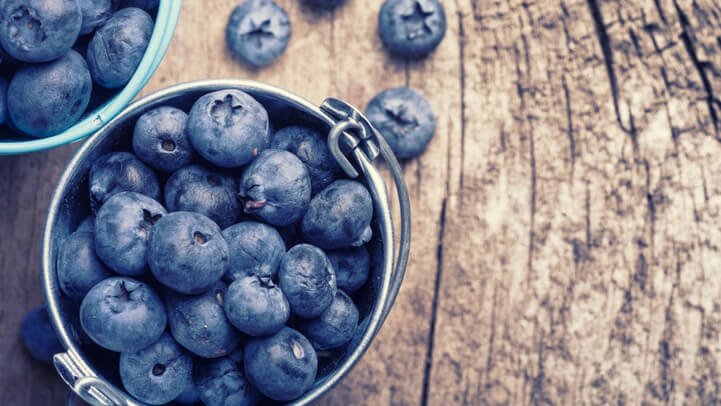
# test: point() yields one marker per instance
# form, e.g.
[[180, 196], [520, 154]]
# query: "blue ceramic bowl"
[[165, 22]]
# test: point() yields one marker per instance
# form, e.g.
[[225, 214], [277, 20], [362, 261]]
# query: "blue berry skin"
[[158, 373], [118, 46], [78, 267], [45, 99], [87, 225], [311, 148], [258, 32], [197, 189], [351, 266], [412, 28], [37, 31], [198, 323], [335, 327], [339, 216], [222, 382], [256, 306], [404, 118], [160, 139], [229, 128], [147, 5], [276, 188], [38, 335], [307, 278], [282, 366], [255, 249], [3, 100], [122, 229], [189, 397], [123, 315], [120, 172], [187, 252], [95, 13]]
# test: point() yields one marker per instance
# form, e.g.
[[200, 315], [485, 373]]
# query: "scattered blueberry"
[[195, 188], [147, 5], [158, 373], [256, 306], [96, 13], [3, 100], [187, 252], [351, 266], [276, 187], [122, 314], [189, 397], [39, 30], [118, 46], [198, 323], [311, 148], [335, 327], [255, 249], [122, 227], [222, 382], [160, 139], [45, 99], [412, 28], [228, 127], [282, 366], [258, 32], [78, 267], [404, 118], [117, 172], [307, 278], [339, 216], [88, 224], [38, 335]]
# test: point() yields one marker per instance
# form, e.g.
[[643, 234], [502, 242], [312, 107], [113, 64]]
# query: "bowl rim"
[[376, 315], [165, 22]]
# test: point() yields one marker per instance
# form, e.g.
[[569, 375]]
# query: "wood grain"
[[565, 216]]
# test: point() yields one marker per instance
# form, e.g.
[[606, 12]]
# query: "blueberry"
[[351, 266], [258, 32], [118, 46], [195, 188], [282, 366], [45, 99], [144, 4], [88, 224], [339, 216], [3, 100], [39, 30], [160, 139], [327, 3], [158, 373], [256, 306], [276, 187], [187, 252], [38, 335], [255, 249], [78, 267], [189, 397], [222, 382], [335, 327], [307, 278], [412, 28], [117, 172], [290, 234], [228, 127], [122, 227], [96, 13], [404, 118], [311, 148], [199, 324], [122, 314]]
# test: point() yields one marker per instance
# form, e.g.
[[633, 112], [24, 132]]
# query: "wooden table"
[[566, 216]]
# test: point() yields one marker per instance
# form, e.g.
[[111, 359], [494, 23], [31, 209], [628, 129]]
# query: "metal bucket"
[[353, 142], [165, 21]]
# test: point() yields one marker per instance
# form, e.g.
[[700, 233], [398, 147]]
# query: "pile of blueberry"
[[54, 52], [220, 256]]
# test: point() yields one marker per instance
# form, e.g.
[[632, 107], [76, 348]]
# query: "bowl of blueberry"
[[222, 242], [69, 66]]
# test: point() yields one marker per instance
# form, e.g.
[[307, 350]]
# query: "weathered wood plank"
[[589, 208]]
